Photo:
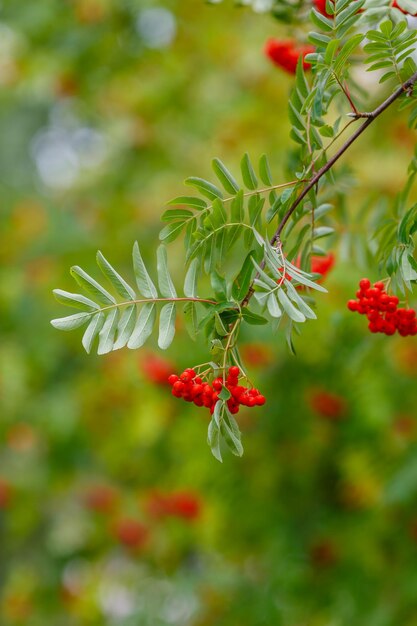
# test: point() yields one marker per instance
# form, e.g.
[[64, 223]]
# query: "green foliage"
[[129, 322], [254, 237], [390, 48]]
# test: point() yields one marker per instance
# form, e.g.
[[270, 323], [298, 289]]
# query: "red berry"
[[352, 305], [389, 329], [172, 379], [218, 384], [286, 53], [179, 385], [131, 533], [364, 284], [234, 371]]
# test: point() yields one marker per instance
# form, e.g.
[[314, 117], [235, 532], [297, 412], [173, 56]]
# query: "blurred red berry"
[[183, 504], [257, 354], [100, 498], [155, 368], [322, 264], [286, 53], [131, 533], [326, 404]]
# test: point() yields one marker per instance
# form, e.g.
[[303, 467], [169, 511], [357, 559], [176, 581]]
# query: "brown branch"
[[370, 117]]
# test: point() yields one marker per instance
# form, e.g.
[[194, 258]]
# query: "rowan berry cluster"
[[285, 53], [192, 388], [382, 310]]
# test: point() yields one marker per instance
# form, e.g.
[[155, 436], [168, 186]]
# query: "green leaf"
[[265, 171], [224, 394], [243, 279], [273, 306], [125, 327], [75, 300], [289, 308], [190, 319], [167, 325], [219, 326], [205, 187], [321, 21], [213, 440], [217, 413], [171, 231], [225, 177], [190, 282], [248, 173], [106, 334], [192, 201], [176, 214], [322, 231], [92, 330], [166, 286], [237, 210], [120, 285], [144, 326], [71, 321], [219, 285], [91, 286], [301, 303], [143, 280], [253, 318], [231, 438]]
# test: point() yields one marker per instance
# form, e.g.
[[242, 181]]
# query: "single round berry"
[[234, 371], [364, 284], [172, 379]]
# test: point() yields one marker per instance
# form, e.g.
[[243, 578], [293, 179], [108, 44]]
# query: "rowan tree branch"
[[370, 117]]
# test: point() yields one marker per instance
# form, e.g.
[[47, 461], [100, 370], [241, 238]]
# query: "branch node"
[[361, 114]]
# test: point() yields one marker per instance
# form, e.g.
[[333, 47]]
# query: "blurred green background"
[[112, 509]]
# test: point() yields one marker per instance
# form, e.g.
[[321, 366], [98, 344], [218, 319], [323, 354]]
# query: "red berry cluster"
[[192, 388], [382, 310], [285, 53]]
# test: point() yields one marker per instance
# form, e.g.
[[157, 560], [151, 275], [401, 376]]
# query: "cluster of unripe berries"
[[382, 310], [192, 388]]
